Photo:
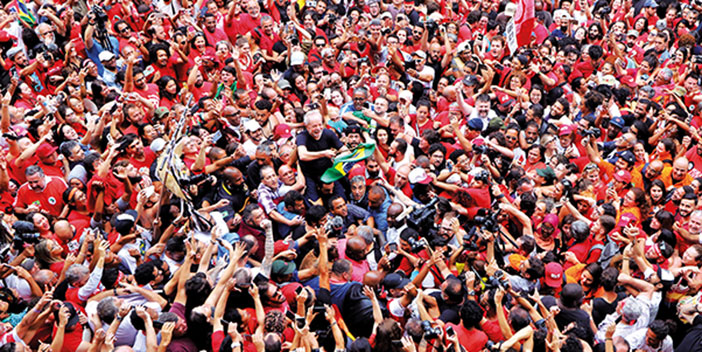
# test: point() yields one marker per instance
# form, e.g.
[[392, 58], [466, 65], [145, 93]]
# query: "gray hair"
[[366, 232], [357, 179], [107, 310], [76, 272], [312, 114], [264, 148], [34, 169]]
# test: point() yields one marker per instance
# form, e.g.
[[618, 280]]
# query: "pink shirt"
[[359, 268]]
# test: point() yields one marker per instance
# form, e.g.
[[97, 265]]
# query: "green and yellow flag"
[[343, 164]]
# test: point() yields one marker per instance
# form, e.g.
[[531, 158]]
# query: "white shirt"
[[637, 341]]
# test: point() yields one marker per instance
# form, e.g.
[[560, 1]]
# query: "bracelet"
[[333, 323], [114, 290], [235, 345], [119, 317]]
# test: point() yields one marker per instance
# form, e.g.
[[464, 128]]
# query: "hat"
[[554, 275], [546, 173], [44, 150], [475, 124], [284, 84], [470, 80], [617, 121], [386, 14], [566, 130], [623, 176], [632, 33], [628, 81], [419, 175], [297, 58], [515, 260], [282, 131], [409, 1], [395, 281], [609, 80], [661, 25], [406, 95], [157, 145], [496, 124], [510, 9], [251, 125], [231, 237], [106, 56], [123, 223], [632, 309], [281, 246], [628, 156], [78, 172], [160, 112], [453, 107], [72, 317], [377, 68], [13, 51], [651, 3], [353, 128], [281, 267], [464, 46], [626, 219], [420, 53]]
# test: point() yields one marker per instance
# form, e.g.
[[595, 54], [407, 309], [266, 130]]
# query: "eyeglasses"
[[358, 99], [125, 30]]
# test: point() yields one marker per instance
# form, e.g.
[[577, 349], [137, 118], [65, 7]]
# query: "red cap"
[[282, 131], [628, 81], [554, 275], [566, 130], [281, 246], [623, 176], [44, 150]]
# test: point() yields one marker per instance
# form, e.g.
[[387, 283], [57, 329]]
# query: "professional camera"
[[594, 132], [416, 244], [25, 234], [429, 331], [497, 280], [604, 11], [488, 222], [100, 15], [480, 149], [422, 219], [334, 226]]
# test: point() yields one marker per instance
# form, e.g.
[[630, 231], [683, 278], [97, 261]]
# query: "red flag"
[[524, 21]]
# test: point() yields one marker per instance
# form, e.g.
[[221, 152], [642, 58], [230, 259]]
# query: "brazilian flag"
[[343, 164], [23, 12]]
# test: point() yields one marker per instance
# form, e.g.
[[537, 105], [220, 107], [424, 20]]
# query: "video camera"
[[25, 234]]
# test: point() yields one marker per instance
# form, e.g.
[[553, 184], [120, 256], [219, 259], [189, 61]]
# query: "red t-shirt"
[[49, 199], [472, 340]]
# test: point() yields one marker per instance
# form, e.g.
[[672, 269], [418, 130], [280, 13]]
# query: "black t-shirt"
[[580, 317], [315, 168], [601, 308]]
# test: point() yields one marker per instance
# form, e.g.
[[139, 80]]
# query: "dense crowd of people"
[[350, 175]]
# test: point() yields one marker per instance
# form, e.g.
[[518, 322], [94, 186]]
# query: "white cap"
[[251, 125], [157, 145], [510, 9], [297, 58], [406, 95], [419, 175], [106, 56]]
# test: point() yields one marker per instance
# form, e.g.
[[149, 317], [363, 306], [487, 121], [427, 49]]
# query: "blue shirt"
[[381, 215]]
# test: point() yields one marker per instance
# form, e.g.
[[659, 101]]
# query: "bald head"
[[356, 243], [395, 209], [234, 175], [63, 230], [680, 167], [372, 278]]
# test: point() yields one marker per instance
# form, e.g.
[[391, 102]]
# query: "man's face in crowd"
[[339, 207], [315, 127], [269, 178], [358, 190], [483, 108], [358, 99], [373, 168], [402, 176], [436, 158], [686, 207], [267, 26], [253, 9], [287, 175], [124, 30], [36, 182], [512, 137], [652, 340], [531, 134], [679, 169], [660, 44], [210, 24], [327, 189]]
